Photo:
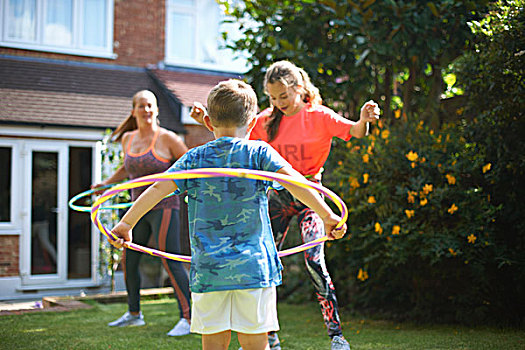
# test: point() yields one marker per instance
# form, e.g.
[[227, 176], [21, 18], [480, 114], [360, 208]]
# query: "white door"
[[45, 191]]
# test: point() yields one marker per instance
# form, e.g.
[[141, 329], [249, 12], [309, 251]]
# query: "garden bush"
[[421, 225]]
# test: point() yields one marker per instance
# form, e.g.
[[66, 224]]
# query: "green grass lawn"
[[301, 329]]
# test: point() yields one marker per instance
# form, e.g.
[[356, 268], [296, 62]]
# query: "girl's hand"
[[370, 111], [198, 111], [123, 231]]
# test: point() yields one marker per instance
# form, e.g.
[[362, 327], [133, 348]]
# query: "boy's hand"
[[370, 111], [198, 111], [330, 222], [123, 231]]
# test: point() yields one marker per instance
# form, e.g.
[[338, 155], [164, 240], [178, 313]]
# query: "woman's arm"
[[176, 146], [120, 174]]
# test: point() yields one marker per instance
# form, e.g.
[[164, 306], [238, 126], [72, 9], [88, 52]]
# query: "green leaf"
[[433, 8]]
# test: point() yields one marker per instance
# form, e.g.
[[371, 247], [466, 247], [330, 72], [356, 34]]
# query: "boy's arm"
[[313, 200], [147, 200]]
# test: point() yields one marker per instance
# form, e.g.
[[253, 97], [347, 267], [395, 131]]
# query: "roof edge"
[[72, 63]]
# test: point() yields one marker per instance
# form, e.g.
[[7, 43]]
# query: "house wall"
[[9, 255], [138, 36]]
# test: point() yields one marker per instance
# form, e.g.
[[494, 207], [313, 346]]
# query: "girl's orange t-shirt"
[[304, 139]]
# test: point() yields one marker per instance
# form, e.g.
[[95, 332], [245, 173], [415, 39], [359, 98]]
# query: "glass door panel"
[[79, 244], [44, 209]]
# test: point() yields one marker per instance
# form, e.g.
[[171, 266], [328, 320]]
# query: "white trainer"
[[181, 328], [128, 320], [340, 343]]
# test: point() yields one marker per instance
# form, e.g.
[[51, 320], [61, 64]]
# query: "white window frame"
[[75, 48], [12, 227], [20, 140], [236, 66]]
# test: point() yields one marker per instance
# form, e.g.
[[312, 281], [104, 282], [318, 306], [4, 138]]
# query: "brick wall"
[[138, 36], [9, 257], [139, 32]]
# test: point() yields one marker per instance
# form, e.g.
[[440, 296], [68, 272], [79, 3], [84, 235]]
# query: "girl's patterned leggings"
[[283, 207]]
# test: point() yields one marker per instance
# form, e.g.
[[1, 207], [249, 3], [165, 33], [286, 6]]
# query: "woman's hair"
[[288, 74], [232, 103], [130, 123]]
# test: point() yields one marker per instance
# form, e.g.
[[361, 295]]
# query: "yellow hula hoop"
[[209, 173]]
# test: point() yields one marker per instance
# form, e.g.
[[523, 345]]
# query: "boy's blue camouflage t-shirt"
[[232, 245]]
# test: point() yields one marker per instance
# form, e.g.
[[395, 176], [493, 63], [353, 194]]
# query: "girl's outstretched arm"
[[369, 113]]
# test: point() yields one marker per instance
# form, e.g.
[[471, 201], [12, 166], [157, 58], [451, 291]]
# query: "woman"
[[151, 149]]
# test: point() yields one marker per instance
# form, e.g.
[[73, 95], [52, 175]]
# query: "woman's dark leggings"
[[283, 207], [165, 225]]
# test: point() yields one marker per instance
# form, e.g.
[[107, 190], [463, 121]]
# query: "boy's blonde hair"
[[232, 103]]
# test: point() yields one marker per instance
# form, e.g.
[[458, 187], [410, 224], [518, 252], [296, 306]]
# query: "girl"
[[301, 129]]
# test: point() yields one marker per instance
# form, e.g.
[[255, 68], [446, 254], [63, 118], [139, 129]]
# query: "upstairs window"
[[78, 27], [194, 39]]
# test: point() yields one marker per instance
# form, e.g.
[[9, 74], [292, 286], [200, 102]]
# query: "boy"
[[235, 267]]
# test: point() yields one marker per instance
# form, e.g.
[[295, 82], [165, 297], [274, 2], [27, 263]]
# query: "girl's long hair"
[[288, 74], [130, 123]]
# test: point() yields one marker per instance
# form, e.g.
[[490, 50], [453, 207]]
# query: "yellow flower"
[[423, 202], [452, 252], [378, 228], [397, 113], [486, 167], [396, 229], [472, 238], [428, 188], [365, 178], [362, 275], [410, 198], [453, 208], [411, 156], [366, 158], [371, 199], [413, 165], [353, 182], [340, 163], [422, 160], [385, 133], [409, 213], [451, 179]]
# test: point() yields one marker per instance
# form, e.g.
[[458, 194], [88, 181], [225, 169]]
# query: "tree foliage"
[[434, 198], [357, 50]]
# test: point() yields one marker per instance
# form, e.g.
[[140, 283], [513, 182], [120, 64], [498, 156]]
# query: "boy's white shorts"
[[250, 311]]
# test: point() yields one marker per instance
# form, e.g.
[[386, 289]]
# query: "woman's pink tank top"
[[147, 163]]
